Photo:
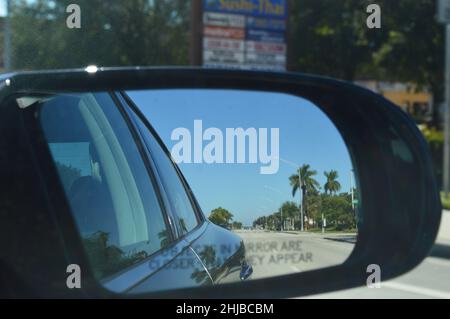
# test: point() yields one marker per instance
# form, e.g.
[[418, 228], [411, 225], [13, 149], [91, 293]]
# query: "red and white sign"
[[224, 33], [223, 44], [265, 47], [224, 20]]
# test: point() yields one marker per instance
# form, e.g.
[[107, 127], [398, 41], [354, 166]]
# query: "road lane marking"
[[416, 289]]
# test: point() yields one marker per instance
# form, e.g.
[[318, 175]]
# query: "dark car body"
[[39, 240], [38, 233]]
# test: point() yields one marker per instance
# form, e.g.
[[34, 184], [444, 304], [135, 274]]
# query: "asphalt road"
[[431, 279], [274, 253], [283, 253]]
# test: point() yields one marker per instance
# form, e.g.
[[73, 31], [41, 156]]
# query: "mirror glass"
[[269, 172]]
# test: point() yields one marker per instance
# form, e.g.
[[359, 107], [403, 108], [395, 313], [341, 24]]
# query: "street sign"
[[265, 58], [265, 47], [355, 202], [266, 24], [223, 56], [265, 36], [224, 20], [225, 33], [223, 44], [265, 67], [444, 11], [245, 34], [257, 8]]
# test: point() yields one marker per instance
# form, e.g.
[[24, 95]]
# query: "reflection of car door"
[[178, 266], [115, 197], [173, 268], [220, 251]]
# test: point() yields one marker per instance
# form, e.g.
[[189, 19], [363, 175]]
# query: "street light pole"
[[196, 33], [446, 168], [7, 37], [302, 218], [352, 191], [443, 16]]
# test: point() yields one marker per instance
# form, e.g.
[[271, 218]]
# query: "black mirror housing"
[[399, 200]]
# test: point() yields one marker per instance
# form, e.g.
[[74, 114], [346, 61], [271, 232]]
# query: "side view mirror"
[[205, 183]]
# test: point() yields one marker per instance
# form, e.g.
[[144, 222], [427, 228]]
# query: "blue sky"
[[306, 136], [2, 8]]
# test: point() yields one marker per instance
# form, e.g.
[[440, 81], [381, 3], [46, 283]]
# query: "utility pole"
[[7, 37], [289, 53], [323, 223], [352, 190], [300, 191], [196, 44], [282, 225], [446, 168], [444, 18]]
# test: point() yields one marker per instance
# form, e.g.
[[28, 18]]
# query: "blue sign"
[[265, 36], [256, 8], [266, 24]]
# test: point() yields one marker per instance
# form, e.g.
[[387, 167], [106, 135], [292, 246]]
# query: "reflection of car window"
[[187, 218], [112, 199], [72, 161]]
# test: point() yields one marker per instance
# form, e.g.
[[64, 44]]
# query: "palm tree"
[[332, 185], [306, 183]]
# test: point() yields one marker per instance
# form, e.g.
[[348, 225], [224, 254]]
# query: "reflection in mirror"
[[257, 162], [269, 171]]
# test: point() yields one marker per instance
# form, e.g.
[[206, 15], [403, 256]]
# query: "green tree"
[[314, 204], [411, 49], [221, 217], [435, 139], [113, 33], [290, 209], [408, 48], [236, 225], [332, 186], [338, 211], [306, 183], [260, 222], [274, 221], [330, 37]]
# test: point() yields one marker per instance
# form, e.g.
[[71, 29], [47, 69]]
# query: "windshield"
[[393, 48]]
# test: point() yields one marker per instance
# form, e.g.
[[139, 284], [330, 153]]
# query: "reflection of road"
[[273, 253]]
